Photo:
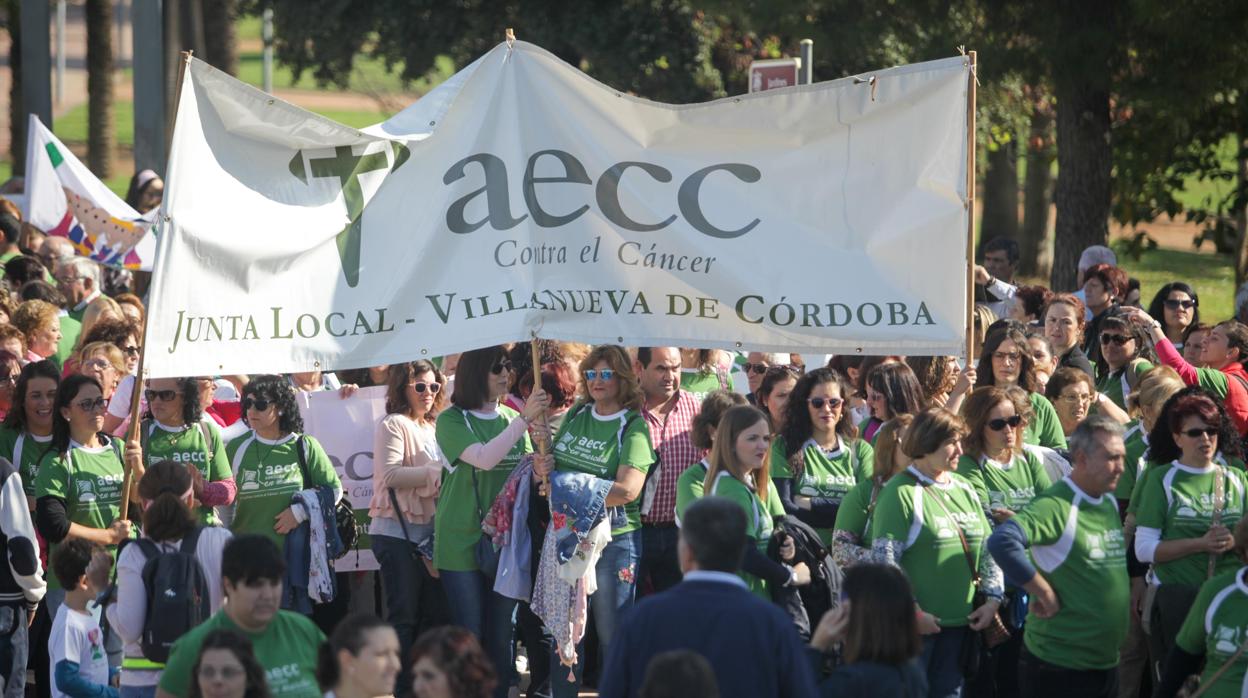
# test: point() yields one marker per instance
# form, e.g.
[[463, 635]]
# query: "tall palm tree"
[[100, 136]]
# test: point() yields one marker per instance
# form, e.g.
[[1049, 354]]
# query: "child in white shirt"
[[76, 647]]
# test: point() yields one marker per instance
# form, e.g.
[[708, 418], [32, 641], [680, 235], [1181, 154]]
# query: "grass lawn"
[[1213, 277]]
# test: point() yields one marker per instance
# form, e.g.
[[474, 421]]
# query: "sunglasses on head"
[[258, 404], [90, 405], [161, 395], [1211, 432], [999, 424], [504, 365], [594, 374], [433, 388], [1176, 304], [1119, 339], [757, 369], [819, 402]]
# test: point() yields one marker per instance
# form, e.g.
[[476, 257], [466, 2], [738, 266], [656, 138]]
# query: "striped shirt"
[[672, 438]]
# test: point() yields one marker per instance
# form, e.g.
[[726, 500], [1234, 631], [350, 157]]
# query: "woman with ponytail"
[[360, 660], [166, 492]]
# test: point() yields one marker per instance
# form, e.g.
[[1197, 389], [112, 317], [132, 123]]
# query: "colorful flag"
[[65, 199]]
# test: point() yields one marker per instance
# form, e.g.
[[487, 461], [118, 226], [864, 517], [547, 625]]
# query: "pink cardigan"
[[407, 458]]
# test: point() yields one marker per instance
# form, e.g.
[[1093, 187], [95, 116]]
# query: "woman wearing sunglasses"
[[78, 488], [1188, 505], [1177, 308], [176, 429], [482, 441], [407, 471], [606, 436], [818, 458], [1008, 361]]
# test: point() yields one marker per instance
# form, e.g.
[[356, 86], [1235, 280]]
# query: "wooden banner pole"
[[132, 432], [970, 210]]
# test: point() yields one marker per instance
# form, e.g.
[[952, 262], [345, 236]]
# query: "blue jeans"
[[617, 588], [941, 659], [414, 600], [659, 569], [14, 651], [489, 616]]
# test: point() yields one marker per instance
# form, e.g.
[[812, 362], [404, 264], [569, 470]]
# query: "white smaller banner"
[[345, 428]]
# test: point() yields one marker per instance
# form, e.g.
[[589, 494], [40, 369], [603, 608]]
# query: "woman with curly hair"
[[175, 428], [227, 668], [41, 328], [1028, 304], [266, 460], [944, 383], [817, 458], [448, 663]]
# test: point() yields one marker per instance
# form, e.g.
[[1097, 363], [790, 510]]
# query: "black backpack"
[[177, 595]]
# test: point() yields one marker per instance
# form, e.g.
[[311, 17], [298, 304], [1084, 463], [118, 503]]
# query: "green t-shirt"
[[70, 329], [1044, 429], [909, 513], [758, 518], [1077, 544], [701, 383], [457, 524], [591, 443], [689, 487], [24, 450], [857, 510], [1178, 501], [287, 649], [1000, 486], [826, 474], [89, 480], [1116, 385], [186, 444], [267, 475], [1136, 443], [1216, 627]]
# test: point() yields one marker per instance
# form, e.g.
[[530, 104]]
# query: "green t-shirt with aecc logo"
[[701, 383], [857, 510], [267, 475], [1076, 542], [758, 517], [909, 513], [457, 524], [89, 480], [185, 444], [825, 474], [1009, 486], [591, 443], [24, 450], [1217, 627], [286, 648], [1178, 501], [1136, 441]]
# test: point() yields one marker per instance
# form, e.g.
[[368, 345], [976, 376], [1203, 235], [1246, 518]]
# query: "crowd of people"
[[1063, 516]]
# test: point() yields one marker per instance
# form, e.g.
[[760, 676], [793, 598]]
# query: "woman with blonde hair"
[[103, 361], [40, 324], [605, 436], [851, 537]]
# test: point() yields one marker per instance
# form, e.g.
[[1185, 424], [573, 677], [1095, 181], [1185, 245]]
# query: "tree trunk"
[[100, 135], [1036, 196], [1240, 203], [1081, 79], [220, 48], [193, 26], [17, 114], [1000, 215], [173, 48]]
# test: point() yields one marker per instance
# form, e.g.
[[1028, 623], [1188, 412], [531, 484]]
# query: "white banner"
[[65, 199], [522, 196], [346, 428]]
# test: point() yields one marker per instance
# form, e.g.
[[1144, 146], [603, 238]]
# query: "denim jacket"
[[580, 500]]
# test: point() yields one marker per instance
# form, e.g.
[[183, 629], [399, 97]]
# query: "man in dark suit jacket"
[[750, 643]]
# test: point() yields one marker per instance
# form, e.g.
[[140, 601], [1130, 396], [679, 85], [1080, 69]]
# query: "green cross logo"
[[347, 167]]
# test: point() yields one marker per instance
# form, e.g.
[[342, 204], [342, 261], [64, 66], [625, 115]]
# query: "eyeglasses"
[[7, 380], [131, 350], [258, 404], [787, 370], [433, 388], [605, 374], [1012, 357], [89, 405], [1075, 398], [504, 365], [161, 395], [999, 424], [1211, 432], [96, 363], [1118, 339], [819, 402], [757, 369], [1173, 304]]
